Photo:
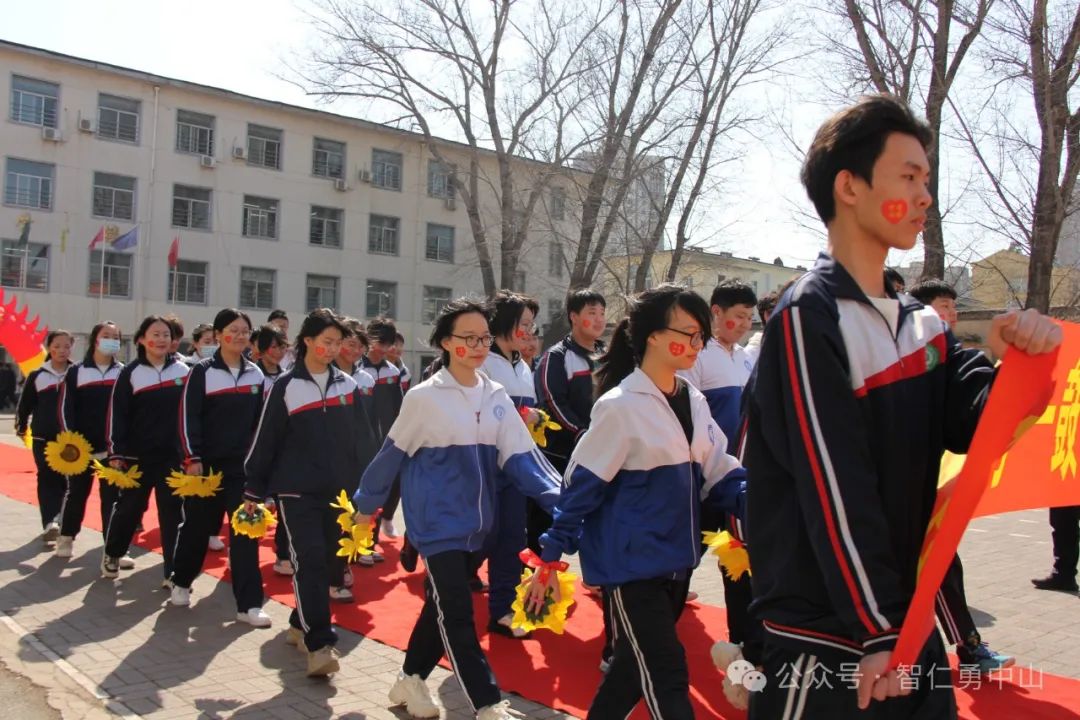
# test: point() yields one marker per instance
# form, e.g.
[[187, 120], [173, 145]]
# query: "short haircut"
[[382, 330], [356, 330], [176, 326], [228, 316], [277, 315], [200, 329], [927, 291], [893, 277], [767, 304], [731, 293], [53, 334], [853, 140], [507, 307], [576, 300], [267, 335], [314, 324], [444, 323]]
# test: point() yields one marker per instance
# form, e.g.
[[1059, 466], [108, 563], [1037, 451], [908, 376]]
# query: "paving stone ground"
[[127, 650]]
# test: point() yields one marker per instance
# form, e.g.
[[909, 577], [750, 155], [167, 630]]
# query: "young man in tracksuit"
[[386, 405], [855, 396]]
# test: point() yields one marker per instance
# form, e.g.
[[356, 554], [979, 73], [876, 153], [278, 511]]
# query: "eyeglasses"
[[530, 328], [697, 339], [476, 340]]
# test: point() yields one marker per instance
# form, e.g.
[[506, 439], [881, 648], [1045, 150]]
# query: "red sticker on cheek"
[[320, 351], [459, 351], [730, 324], [894, 210], [585, 324], [520, 334], [676, 348], [228, 338]]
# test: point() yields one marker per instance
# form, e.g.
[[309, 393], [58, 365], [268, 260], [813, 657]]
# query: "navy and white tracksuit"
[[218, 413], [141, 430], [848, 416], [281, 535], [631, 503], [305, 452], [39, 408], [386, 405], [452, 459], [84, 406]]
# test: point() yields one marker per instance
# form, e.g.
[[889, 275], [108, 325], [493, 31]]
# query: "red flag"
[[174, 252], [99, 238]]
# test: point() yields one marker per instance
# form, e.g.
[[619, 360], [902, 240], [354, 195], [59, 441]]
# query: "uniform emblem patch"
[[932, 357], [499, 412]]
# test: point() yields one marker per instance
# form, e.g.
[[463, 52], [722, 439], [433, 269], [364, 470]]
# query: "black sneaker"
[[1056, 582], [110, 567], [409, 555]]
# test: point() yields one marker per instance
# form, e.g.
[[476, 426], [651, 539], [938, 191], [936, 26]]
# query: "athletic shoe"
[[388, 529], [412, 692], [167, 584], [499, 711], [283, 567], [215, 544], [366, 560], [341, 594], [52, 532], [295, 636], [180, 597], [126, 563], [322, 662], [255, 617], [63, 546], [110, 567], [348, 578], [503, 626], [1055, 582], [409, 555], [986, 659], [376, 556]]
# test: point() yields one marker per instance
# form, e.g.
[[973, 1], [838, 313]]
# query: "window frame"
[[48, 182], [94, 196], [257, 285], [43, 122], [429, 237], [307, 289], [438, 170], [193, 127], [271, 216], [391, 309], [12, 248], [137, 114], [375, 245], [328, 153], [426, 317], [338, 222], [191, 214], [106, 275], [170, 279], [266, 141], [379, 167]]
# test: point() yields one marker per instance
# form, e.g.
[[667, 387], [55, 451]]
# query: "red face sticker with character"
[[459, 351], [730, 324], [894, 210], [676, 348]]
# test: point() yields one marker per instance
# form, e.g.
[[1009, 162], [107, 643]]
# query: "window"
[[381, 298], [257, 288], [329, 158], [435, 299], [556, 310], [383, 235], [555, 259], [187, 282], [191, 207], [440, 243], [28, 184], [325, 226], [194, 133], [260, 217], [24, 265], [114, 280], [558, 204], [118, 118], [322, 292], [440, 179], [34, 101], [114, 196], [386, 169], [264, 147]]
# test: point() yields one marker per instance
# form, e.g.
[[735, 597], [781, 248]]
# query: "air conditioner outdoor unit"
[[239, 153], [365, 176], [86, 125], [450, 203], [207, 161], [51, 134], [340, 185]]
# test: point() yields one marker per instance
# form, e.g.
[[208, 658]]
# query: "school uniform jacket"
[[720, 376], [365, 388], [144, 411], [308, 442], [268, 377], [84, 401], [847, 422], [513, 374], [564, 388], [219, 411], [386, 396], [40, 399], [450, 457], [634, 487], [406, 378]]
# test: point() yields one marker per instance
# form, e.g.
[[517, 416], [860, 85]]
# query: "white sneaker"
[[126, 563], [341, 594], [52, 531], [215, 544], [283, 567], [255, 617], [388, 529], [63, 546], [412, 692], [295, 636], [499, 711], [180, 597]]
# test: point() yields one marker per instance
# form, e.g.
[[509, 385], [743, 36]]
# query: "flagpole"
[[101, 278]]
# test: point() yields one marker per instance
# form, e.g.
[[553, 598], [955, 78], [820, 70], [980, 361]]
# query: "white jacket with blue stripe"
[[634, 487], [450, 457]]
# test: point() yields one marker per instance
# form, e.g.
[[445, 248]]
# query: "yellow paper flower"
[[539, 429], [185, 485], [344, 504], [553, 616], [358, 541], [732, 553], [252, 525], [69, 454], [123, 479], [28, 440]]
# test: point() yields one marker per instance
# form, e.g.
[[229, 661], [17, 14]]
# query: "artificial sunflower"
[[69, 454], [253, 525], [732, 553], [557, 603], [345, 519], [539, 429], [358, 540], [28, 440], [185, 485], [123, 479]]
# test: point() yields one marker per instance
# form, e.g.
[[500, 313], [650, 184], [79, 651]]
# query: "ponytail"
[[619, 360]]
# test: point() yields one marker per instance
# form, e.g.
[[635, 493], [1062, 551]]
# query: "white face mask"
[[206, 351], [108, 346]]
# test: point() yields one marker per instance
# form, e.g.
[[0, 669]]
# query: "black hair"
[[507, 307], [277, 315], [200, 329], [647, 312], [853, 140], [382, 330], [444, 323], [894, 278], [144, 326], [399, 338], [576, 300], [225, 317], [53, 334], [766, 305], [88, 359], [356, 330], [927, 291], [315, 322], [176, 325], [267, 334], [731, 293]]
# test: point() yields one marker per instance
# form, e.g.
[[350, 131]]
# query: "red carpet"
[[560, 671]]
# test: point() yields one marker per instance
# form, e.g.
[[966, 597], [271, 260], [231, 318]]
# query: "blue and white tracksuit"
[[452, 459], [37, 412]]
